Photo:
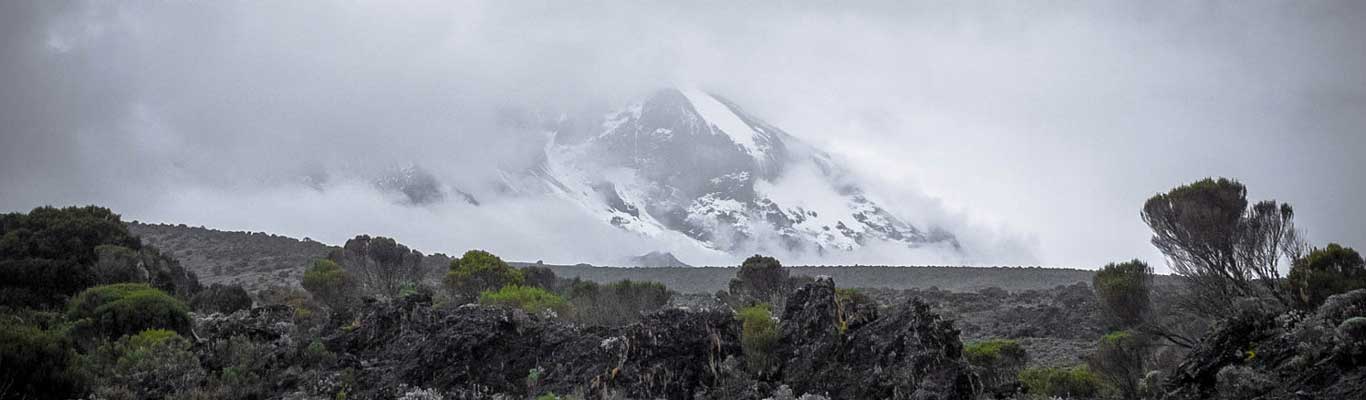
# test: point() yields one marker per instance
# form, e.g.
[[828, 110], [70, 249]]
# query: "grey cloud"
[[1039, 126]]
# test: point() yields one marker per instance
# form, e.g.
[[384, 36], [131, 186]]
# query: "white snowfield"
[[724, 120]]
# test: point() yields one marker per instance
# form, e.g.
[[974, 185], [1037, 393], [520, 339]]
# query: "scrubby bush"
[[1122, 290], [760, 279], [478, 271], [33, 361], [533, 300], [616, 303], [1046, 382], [153, 364], [1326, 272], [331, 285], [997, 361], [126, 308], [758, 338], [221, 298], [1119, 362]]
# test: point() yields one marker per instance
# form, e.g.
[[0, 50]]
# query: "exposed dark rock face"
[[395, 348], [909, 354], [1259, 354], [473, 349]]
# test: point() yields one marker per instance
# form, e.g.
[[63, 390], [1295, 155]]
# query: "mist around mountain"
[[680, 170]]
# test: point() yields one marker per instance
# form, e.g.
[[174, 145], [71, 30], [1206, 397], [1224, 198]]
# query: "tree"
[[1119, 361], [1326, 272], [380, 265], [477, 271], [760, 279], [1219, 246], [330, 285], [1122, 290], [46, 255]]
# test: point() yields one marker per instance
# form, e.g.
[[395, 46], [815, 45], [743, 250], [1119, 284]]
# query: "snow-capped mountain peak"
[[693, 166]]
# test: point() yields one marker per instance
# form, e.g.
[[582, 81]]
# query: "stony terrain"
[[409, 346]]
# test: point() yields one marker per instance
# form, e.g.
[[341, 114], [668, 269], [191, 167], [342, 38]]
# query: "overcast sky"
[[1038, 127]]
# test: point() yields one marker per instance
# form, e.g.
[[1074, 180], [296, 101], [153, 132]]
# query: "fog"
[[1034, 131]]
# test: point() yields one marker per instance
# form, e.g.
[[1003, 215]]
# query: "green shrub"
[[33, 361], [758, 338], [997, 361], [533, 300], [221, 298], [478, 271], [153, 364], [1060, 382], [125, 309], [1326, 272], [331, 285], [1122, 290]]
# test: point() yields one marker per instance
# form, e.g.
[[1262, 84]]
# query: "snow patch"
[[723, 119]]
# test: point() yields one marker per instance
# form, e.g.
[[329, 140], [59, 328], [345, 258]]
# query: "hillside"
[[257, 260]]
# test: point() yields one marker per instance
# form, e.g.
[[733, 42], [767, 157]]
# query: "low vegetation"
[[531, 299], [1065, 383], [758, 338]]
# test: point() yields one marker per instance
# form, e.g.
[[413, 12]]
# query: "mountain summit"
[[692, 164]]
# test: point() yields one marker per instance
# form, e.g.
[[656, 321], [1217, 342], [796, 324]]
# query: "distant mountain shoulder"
[[656, 259]]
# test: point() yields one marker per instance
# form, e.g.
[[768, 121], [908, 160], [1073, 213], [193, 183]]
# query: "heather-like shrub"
[[1122, 290], [125, 309], [478, 271], [1119, 361], [533, 300], [616, 303], [996, 361], [1075, 382], [758, 338], [380, 265], [153, 364]]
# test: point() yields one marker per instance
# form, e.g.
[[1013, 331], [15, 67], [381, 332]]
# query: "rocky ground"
[[411, 348]]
